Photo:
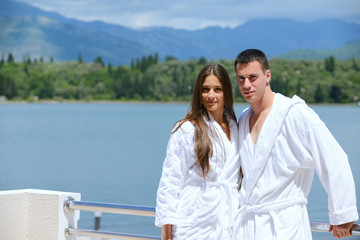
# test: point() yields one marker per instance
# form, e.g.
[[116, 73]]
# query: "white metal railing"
[[71, 205], [318, 226], [100, 234]]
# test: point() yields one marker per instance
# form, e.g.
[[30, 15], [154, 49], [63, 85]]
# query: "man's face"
[[252, 81]]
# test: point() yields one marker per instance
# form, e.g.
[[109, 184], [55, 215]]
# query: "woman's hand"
[[342, 230], [166, 232]]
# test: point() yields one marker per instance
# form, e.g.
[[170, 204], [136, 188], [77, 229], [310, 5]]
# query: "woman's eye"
[[205, 90], [218, 89]]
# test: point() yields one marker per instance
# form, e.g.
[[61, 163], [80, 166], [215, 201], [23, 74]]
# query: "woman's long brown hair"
[[197, 112]]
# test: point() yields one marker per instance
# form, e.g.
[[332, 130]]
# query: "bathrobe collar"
[[233, 127], [268, 134]]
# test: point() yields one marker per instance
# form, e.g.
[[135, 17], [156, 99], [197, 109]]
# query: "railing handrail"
[[104, 234], [319, 226], [71, 205]]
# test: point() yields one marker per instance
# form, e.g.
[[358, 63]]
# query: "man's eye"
[[253, 78]]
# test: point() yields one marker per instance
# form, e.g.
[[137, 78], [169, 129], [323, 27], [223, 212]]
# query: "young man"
[[281, 142]]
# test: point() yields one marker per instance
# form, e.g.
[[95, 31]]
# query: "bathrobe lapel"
[[232, 161], [229, 147], [266, 140]]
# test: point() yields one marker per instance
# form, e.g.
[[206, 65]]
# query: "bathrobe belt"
[[244, 211]]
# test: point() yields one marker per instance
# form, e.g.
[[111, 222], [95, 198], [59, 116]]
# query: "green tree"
[[80, 60], [330, 64], [335, 93], [319, 95], [137, 65], [2, 61], [150, 61], [26, 70], [202, 61], [354, 65], [10, 59], [169, 58], [156, 58], [7, 87], [110, 69], [143, 64], [132, 65], [100, 61], [121, 80]]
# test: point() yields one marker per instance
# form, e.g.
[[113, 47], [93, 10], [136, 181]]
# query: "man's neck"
[[265, 104]]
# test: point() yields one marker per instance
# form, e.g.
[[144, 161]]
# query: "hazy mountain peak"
[[30, 31]]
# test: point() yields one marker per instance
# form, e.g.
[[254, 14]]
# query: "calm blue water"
[[114, 153]]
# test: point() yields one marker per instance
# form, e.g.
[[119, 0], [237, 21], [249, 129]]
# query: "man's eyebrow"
[[251, 74]]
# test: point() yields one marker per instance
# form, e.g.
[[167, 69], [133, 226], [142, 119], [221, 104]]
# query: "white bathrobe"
[[197, 207], [278, 172]]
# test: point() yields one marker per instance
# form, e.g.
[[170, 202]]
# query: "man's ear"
[[268, 76]]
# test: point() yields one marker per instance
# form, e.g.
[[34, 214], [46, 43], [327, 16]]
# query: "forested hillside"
[[147, 79]]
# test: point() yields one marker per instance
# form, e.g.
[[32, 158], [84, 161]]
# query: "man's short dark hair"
[[250, 55]]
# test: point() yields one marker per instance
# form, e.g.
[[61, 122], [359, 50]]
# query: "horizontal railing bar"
[[102, 234], [318, 226], [315, 226], [70, 204], [111, 208]]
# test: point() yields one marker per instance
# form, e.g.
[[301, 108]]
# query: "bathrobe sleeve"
[[325, 154], [180, 156]]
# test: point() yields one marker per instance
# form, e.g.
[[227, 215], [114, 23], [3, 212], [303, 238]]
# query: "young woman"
[[198, 190]]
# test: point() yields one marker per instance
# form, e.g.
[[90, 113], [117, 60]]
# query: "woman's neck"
[[218, 116]]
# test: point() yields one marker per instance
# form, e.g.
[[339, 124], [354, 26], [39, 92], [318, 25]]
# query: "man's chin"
[[249, 99]]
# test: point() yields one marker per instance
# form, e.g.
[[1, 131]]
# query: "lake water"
[[114, 153]]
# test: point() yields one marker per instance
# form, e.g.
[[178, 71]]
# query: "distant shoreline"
[[90, 102], [143, 102]]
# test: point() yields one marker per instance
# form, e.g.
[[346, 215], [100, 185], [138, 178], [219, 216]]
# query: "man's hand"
[[342, 230]]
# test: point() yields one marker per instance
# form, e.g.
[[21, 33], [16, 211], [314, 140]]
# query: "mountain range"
[[29, 31]]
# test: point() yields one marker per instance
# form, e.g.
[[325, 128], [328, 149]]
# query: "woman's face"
[[212, 95]]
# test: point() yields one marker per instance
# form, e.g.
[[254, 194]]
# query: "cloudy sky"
[[198, 14]]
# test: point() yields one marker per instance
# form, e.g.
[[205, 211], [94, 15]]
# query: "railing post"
[[97, 216], [31, 214]]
